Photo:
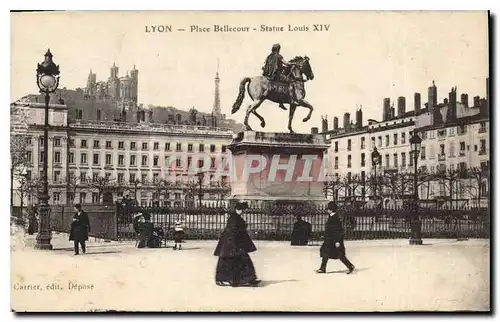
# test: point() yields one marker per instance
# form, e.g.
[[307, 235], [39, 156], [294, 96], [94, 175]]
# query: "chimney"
[[453, 102], [392, 113], [476, 101], [324, 125], [347, 120], [432, 95], [417, 103], [464, 99], [445, 101], [386, 110], [314, 130], [359, 118], [401, 106], [335, 123]]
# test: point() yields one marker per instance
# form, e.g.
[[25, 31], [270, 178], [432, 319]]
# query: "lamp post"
[[415, 224], [200, 175], [375, 161], [47, 79]]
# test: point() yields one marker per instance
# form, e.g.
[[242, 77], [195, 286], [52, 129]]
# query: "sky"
[[361, 58]]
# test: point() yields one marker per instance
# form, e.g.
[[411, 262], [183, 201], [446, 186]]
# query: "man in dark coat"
[[80, 228], [235, 267], [301, 232], [333, 244]]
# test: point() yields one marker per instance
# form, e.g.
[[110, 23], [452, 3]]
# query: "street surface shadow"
[[188, 248], [266, 283], [345, 270], [103, 252]]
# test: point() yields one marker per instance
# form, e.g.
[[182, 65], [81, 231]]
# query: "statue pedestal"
[[278, 168]]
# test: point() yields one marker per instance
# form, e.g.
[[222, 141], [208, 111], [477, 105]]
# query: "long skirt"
[[235, 270]]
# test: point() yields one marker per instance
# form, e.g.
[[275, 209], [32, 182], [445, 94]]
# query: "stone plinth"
[[278, 168]]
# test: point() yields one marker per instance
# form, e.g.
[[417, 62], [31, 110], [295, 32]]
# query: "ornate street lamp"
[[376, 159], [415, 224], [47, 79]]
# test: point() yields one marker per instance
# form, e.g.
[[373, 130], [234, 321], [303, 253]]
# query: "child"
[[178, 234]]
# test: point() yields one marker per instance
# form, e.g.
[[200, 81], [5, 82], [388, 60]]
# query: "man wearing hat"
[[235, 267], [333, 244]]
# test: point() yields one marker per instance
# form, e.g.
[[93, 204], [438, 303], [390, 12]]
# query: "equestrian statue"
[[281, 82]]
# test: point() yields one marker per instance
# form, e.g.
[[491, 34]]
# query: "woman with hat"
[[333, 244], [235, 267]]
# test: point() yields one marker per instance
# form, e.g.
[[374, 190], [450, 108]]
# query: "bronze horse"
[[260, 88]]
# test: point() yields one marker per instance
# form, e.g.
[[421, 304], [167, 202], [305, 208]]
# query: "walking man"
[[333, 244], [80, 228]]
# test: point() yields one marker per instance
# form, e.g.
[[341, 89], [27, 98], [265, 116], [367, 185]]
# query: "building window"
[[155, 177], [373, 142], [349, 145], [482, 149], [132, 145], [167, 146], [349, 159], [212, 162], [441, 149], [410, 154], [395, 139], [387, 164], [362, 159], [95, 159], [132, 160], [144, 178], [190, 160], [57, 176], [212, 147], [144, 160], [336, 162], [83, 197], [120, 177], [178, 162], [98, 115], [57, 157], [387, 140], [223, 148], [83, 158], [29, 156], [121, 159], [57, 142], [120, 145], [144, 145], [83, 143], [379, 141], [363, 143], [42, 155], [200, 163], [395, 159], [190, 147], [95, 197], [56, 197], [28, 140], [71, 158], [108, 159], [403, 159], [96, 144], [131, 177], [108, 144], [107, 175], [202, 148], [178, 147], [403, 138], [336, 149], [156, 146], [422, 153], [462, 146], [155, 160], [83, 177]]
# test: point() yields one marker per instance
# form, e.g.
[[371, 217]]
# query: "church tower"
[[134, 84], [216, 110]]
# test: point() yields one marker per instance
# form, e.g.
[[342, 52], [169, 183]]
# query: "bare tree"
[[222, 189], [331, 186], [72, 184], [448, 179], [397, 183], [102, 185], [162, 188], [478, 176]]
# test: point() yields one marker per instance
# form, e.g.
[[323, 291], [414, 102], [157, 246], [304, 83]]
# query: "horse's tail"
[[241, 95]]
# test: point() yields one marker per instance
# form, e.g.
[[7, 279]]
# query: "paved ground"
[[391, 275]]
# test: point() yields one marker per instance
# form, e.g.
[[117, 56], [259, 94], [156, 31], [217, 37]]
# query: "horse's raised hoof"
[[305, 119], [249, 128], [292, 131], [263, 124]]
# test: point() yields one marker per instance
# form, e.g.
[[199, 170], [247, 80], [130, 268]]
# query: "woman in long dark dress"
[[235, 267]]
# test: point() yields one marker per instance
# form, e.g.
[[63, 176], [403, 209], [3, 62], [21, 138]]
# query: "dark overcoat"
[[234, 240], [300, 234], [80, 227], [272, 65], [334, 233]]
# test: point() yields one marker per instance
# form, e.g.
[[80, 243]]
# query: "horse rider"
[[273, 68]]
